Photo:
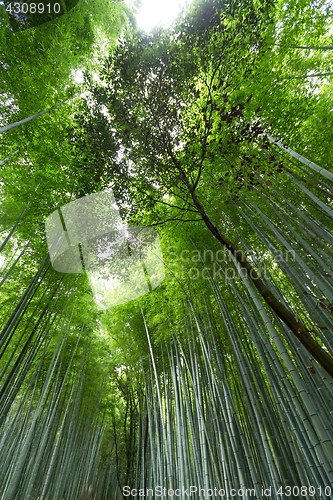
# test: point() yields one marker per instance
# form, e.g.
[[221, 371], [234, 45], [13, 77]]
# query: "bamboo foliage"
[[242, 413], [260, 416], [229, 400]]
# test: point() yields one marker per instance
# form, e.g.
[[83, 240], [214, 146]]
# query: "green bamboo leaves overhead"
[[165, 152], [204, 386]]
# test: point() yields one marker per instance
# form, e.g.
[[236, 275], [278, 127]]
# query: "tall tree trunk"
[[301, 158], [309, 183], [298, 329], [32, 117]]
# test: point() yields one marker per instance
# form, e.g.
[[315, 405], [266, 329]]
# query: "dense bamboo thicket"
[[218, 382]]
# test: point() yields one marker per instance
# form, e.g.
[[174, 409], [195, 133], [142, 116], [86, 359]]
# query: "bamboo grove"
[[218, 382]]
